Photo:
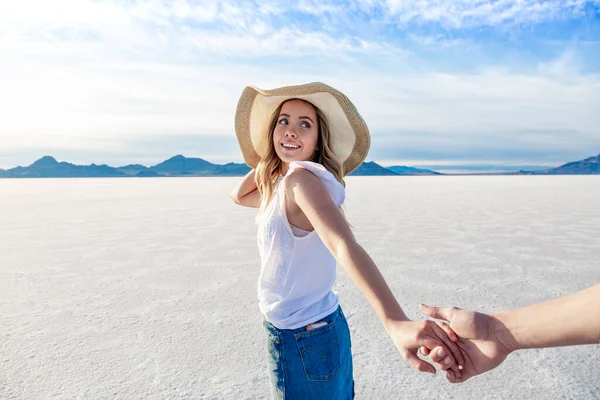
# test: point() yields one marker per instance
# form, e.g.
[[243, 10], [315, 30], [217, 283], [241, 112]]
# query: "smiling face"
[[296, 132]]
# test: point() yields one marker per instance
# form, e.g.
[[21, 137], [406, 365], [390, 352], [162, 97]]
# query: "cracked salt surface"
[[146, 288]]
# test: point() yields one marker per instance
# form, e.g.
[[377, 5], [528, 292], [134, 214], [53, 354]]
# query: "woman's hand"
[[409, 336]]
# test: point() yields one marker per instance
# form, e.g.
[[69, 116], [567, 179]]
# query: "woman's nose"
[[290, 132]]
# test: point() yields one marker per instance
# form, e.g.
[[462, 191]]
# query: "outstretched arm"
[[569, 320], [307, 192], [486, 340], [246, 193]]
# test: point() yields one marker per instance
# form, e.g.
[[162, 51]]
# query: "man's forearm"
[[569, 320]]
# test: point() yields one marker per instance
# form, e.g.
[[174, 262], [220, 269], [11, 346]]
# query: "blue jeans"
[[315, 364]]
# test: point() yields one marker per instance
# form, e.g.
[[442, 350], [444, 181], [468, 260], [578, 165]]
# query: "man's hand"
[[482, 341]]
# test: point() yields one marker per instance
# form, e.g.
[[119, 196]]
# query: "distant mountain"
[[48, 167], [147, 173], [183, 166], [133, 169], [462, 169], [589, 166], [233, 169], [400, 170], [180, 165], [371, 169]]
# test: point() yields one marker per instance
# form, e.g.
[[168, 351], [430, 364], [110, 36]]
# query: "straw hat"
[[350, 139]]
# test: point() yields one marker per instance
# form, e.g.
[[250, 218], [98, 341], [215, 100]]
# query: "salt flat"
[[146, 288]]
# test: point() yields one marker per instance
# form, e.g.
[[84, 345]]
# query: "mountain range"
[[588, 166], [48, 167], [177, 166]]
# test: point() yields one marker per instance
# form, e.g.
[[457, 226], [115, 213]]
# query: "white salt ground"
[[146, 288]]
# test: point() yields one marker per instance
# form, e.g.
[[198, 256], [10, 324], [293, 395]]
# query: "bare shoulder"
[[303, 180], [304, 190]]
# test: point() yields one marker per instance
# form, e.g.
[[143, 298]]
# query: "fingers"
[[456, 353], [452, 378], [417, 363], [433, 342], [437, 312], [440, 356], [449, 331]]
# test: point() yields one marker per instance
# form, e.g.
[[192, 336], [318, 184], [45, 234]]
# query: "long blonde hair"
[[269, 169]]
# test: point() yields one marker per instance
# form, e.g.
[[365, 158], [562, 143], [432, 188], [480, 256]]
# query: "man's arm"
[[486, 340]]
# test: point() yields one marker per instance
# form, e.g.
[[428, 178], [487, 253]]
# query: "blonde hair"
[[269, 168]]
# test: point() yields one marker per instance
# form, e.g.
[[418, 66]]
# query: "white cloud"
[[469, 13], [437, 41], [154, 26], [108, 100], [317, 7], [89, 74], [493, 100], [284, 42], [32, 13], [241, 13]]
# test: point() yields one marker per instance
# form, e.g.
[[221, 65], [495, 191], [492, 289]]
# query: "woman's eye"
[[283, 121], [305, 125]]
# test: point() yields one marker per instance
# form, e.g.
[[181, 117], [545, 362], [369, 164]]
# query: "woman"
[[301, 141]]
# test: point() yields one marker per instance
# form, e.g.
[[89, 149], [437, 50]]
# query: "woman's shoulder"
[[307, 173], [299, 176], [314, 168]]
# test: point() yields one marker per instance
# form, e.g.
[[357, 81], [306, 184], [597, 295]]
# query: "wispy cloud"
[[106, 75], [470, 13], [437, 40]]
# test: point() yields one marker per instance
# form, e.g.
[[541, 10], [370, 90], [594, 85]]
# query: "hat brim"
[[350, 138]]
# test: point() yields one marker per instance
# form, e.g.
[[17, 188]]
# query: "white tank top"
[[297, 271]]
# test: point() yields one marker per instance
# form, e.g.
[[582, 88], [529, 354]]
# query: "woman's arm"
[[246, 193], [310, 195]]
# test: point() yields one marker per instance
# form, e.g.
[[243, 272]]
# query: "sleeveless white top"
[[297, 270]]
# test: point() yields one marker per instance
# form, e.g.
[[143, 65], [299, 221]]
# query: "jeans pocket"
[[320, 352]]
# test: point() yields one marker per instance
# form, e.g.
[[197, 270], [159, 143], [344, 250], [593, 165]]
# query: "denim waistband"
[[329, 318]]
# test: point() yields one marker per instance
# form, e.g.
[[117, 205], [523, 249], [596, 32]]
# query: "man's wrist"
[[502, 332]]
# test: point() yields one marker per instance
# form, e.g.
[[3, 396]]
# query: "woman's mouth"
[[290, 146]]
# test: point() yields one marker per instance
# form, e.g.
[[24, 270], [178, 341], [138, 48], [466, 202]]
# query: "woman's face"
[[296, 132]]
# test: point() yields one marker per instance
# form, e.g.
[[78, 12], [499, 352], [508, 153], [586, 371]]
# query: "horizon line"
[[420, 164], [385, 163]]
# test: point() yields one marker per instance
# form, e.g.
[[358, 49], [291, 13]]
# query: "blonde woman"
[[301, 141]]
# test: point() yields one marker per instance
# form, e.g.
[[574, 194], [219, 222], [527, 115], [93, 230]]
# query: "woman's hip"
[[315, 360]]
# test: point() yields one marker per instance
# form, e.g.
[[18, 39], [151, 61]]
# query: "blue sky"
[[439, 82]]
